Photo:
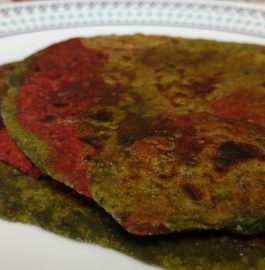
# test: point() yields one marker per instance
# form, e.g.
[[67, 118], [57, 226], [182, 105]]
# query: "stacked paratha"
[[165, 134]]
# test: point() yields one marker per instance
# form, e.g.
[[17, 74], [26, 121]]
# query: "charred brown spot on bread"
[[203, 87], [103, 116], [231, 153], [131, 129], [194, 87], [91, 140], [50, 118], [36, 68], [59, 104], [183, 142], [193, 192], [187, 143]]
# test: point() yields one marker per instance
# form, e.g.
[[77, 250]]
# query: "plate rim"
[[28, 17]]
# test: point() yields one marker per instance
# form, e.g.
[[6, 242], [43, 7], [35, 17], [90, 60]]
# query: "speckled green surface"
[[60, 210], [148, 171]]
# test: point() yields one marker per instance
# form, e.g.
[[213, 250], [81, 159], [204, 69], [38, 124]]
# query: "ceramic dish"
[[27, 27]]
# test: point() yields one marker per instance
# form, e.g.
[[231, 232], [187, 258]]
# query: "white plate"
[[27, 27]]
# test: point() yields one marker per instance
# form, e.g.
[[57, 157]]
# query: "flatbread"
[[9, 151], [135, 122], [56, 208]]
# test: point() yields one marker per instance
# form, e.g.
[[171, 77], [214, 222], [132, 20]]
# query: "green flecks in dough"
[[136, 157], [56, 208]]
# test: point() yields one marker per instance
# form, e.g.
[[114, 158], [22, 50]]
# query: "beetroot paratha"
[[9, 151], [56, 208], [135, 123]]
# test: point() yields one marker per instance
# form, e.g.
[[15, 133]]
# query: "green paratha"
[[58, 209], [136, 123]]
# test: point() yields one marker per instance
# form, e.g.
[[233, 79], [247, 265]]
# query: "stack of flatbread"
[[151, 145]]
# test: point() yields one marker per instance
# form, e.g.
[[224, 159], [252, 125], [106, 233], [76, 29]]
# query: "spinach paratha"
[[56, 208], [135, 123]]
